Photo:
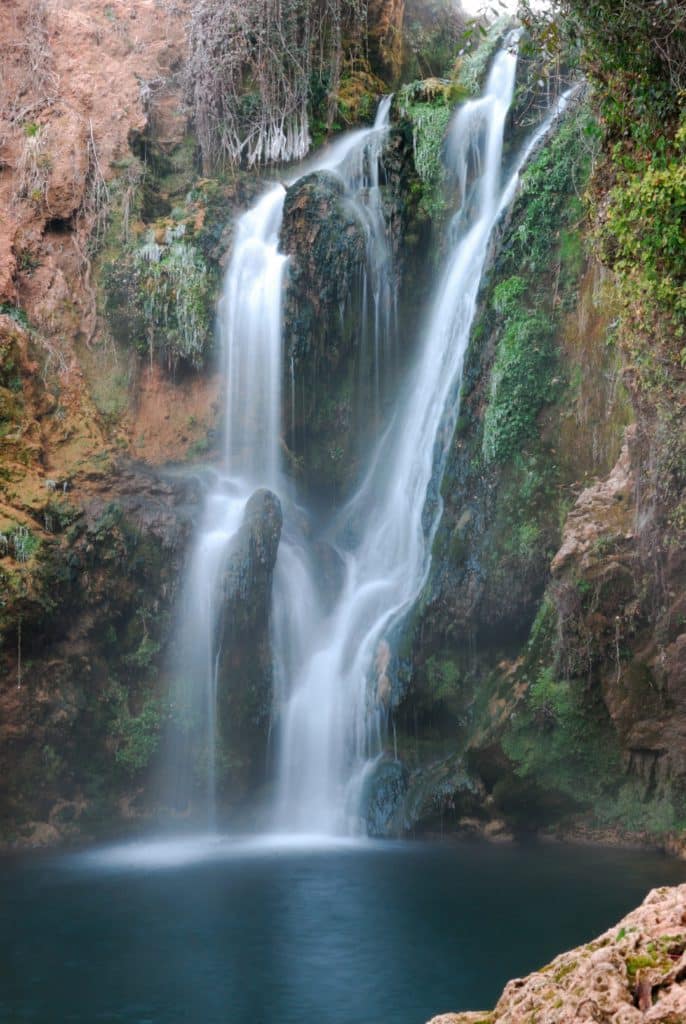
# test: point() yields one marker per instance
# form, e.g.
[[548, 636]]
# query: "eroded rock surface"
[[635, 973]]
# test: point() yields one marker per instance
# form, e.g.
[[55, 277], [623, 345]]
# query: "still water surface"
[[281, 932]]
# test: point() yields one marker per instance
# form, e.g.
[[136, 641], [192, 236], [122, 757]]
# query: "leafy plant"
[[137, 737]]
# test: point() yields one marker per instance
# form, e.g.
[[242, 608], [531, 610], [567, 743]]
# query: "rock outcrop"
[[634, 973], [325, 239], [244, 676], [83, 629]]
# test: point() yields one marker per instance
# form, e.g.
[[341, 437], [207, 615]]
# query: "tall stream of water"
[[331, 656]]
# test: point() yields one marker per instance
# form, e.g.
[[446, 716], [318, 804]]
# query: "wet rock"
[[331, 399], [436, 797], [604, 511], [85, 627], [381, 797], [244, 678], [326, 241]]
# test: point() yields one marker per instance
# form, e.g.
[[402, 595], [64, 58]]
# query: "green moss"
[[562, 972], [642, 235], [521, 383], [145, 653], [634, 964], [443, 678], [16, 313], [562, 739]]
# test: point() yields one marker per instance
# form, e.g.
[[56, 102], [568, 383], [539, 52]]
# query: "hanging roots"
[[252, 66]]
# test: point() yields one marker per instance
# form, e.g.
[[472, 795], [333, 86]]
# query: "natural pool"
[[202, 931]]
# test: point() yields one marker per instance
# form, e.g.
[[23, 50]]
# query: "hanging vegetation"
[[254, 67]]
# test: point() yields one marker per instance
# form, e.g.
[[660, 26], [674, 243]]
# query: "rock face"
[[83, 635], [546, 658], [245, 668], [328, 375], [385, 19], [326, 242], [635, 973], [618, 609]]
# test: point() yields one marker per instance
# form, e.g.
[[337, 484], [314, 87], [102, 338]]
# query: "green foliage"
[[636, 55], [160, 296], [549, 201], [137, 737], [520, 384], [507, 293], [472, 67], [176, 300], [562, 739], [636, 51], [644, 232], [145, 653], [16, 313], [429, 114], [544, 238], [21, 543]]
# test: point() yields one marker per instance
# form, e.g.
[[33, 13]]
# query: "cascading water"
[[335, 688], [249, 318], [331, 655], [325, 733]]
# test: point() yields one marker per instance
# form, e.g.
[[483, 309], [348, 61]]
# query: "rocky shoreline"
[[634, 973]]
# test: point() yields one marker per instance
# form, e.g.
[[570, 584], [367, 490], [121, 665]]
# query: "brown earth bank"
[[634, 973]]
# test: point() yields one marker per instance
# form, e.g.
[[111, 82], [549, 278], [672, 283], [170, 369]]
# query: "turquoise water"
[[205, 931]]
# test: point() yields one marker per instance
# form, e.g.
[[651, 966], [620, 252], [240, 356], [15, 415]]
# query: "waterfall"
[[332, 650], [250, 332], [336, 664], [334, 688]]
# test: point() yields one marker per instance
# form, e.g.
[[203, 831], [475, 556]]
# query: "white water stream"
[[332, 657]]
